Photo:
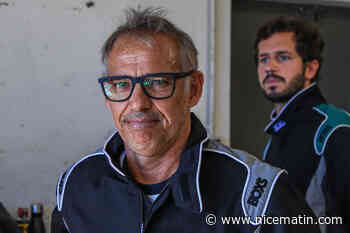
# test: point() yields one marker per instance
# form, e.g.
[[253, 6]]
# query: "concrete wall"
[[222, 78], [52, 110]]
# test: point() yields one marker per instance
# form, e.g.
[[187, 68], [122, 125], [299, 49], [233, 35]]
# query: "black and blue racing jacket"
[[311, 140], [213, 183]]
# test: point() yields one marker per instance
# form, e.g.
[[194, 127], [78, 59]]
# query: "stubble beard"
[[296, 85]]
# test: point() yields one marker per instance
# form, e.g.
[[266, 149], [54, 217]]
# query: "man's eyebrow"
[[283, 52], [280, 52], [263, 54]]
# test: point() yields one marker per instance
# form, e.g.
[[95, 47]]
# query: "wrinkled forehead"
[[136, 48]]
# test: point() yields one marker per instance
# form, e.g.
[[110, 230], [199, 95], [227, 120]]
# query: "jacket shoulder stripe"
[[334, 118], [272, 187], [62, 181], [103, 150], [260, 182], [197, 175], [248, 175]]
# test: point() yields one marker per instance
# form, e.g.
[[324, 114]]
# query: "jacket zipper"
[[141, 227], [141, 204]]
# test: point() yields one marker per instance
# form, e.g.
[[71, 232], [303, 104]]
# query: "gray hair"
[[151, 21]]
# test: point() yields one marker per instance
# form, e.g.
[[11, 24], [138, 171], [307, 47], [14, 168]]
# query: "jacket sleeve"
[[337, 183], [57, 225], [285, 207]]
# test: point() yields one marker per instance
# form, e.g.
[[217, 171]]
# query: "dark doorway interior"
[[250, 112]]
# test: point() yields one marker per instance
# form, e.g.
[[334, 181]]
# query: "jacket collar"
[[307, 97], [184, 184]]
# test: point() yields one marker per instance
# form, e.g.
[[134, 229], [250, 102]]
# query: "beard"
[[295, 85]]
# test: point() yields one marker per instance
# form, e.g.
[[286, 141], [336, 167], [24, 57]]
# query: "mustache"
[[141, 115], [273, 76]]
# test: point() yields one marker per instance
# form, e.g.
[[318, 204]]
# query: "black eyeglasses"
[[156, 86]]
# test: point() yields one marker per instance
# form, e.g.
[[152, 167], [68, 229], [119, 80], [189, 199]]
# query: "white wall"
[[222, 112], [51, 108]]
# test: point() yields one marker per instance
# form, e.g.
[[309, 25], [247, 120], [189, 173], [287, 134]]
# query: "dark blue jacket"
[[97, 195], [311, 140]]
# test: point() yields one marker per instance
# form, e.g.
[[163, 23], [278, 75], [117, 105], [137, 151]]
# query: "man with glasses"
[[159, 172], [308, 137]]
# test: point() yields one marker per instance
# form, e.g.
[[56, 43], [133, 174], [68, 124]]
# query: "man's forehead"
[[134, 49], [134, 58], [147, 43], [282, 42]]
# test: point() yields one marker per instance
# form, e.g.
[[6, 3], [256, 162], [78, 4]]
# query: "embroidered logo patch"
[[279, 125], [257, 192]]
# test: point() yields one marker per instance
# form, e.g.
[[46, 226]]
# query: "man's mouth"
[[136, 124], [141, 120], [272, 79]]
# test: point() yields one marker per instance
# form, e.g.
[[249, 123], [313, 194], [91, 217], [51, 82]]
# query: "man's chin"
[[278, 97], [142, 142], [144, 149], [282, 94]]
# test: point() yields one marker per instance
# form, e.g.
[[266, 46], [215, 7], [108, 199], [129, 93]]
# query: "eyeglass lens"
[[120, 89]]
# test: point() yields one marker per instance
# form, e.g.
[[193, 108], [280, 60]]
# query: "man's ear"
[[311, 69], [196, 88]]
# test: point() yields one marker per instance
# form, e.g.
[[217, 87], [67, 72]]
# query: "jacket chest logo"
[[279, 125], [257, 191]]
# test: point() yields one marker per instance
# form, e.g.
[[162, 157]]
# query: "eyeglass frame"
[[140, 79]]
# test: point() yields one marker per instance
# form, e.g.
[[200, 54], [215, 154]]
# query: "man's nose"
[[139, 101], [271, 66]]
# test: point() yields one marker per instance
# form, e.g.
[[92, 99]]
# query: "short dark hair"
[[308, 40], [149, 21]]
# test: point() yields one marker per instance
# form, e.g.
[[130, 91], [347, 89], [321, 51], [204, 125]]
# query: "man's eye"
[[121, 84], [263, 60], [283, 58], [156, 82], [161, 82], [148, 82]]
